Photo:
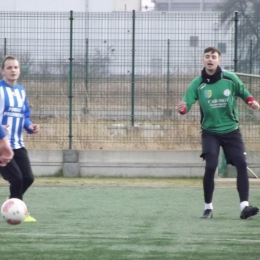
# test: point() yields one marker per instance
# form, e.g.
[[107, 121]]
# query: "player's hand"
[[182, 107], [6, 152], [35, 128], [253, 104]]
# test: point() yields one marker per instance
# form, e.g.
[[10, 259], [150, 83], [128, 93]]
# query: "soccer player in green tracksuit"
[[216, 91]]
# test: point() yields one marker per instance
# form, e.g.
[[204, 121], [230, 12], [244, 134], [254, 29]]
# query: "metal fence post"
[[133, 73], [70, 81], [235, 44], [251, 57], [251, 64], [168, 75], [4, 46], [86, 77]]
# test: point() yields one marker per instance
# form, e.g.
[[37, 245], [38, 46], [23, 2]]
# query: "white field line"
[[56, 235], [101, 236]]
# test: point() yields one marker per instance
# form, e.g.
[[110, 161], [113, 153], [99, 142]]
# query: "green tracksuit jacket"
[[218, 101]]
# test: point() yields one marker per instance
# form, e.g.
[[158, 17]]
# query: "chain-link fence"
[[113, 80]]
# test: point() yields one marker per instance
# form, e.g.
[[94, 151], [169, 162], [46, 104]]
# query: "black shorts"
[[19, 167], [232, 144]]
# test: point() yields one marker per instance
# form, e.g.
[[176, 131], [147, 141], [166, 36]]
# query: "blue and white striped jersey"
[[15, 112]]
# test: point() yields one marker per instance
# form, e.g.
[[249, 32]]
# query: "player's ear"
[[202, 60]]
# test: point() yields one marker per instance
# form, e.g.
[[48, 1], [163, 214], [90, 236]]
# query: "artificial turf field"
[[116, 219]]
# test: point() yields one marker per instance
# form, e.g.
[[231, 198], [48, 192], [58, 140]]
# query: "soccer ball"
[[14, 211]]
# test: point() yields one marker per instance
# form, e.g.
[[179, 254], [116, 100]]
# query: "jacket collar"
[[210, 79]]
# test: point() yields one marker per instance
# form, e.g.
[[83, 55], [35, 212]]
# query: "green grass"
[[116, 223]]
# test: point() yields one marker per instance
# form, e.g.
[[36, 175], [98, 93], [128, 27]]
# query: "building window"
[[222, 47], [185, 7], [162, 7], [194, 41]]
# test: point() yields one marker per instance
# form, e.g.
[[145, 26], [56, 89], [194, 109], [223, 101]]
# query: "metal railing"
[[113, 80]]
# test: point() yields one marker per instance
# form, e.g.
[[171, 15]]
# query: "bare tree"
[[248, 29]]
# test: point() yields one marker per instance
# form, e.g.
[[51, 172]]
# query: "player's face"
[[211, 62], [11, 71]]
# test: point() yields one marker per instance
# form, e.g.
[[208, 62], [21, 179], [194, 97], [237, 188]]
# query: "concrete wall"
[[102, 163]]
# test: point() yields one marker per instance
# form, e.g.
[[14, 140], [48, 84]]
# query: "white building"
[[68, 5], [185, 5]]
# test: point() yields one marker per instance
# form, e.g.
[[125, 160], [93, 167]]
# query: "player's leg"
[[210, 153], [23, 162], [13, 175], [234, 150]]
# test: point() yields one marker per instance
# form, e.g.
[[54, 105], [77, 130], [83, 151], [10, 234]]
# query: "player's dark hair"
[[8, 57], [212, 50]]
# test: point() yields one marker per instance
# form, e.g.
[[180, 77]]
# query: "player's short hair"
[[7, 57], [212, 50]]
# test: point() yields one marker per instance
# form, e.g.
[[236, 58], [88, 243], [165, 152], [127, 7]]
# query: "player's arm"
[[28, 125], [243, 93], [2, 132], [27, 115], [6, 152], [190, 97]]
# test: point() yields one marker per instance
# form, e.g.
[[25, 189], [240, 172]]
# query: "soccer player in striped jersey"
[[14, 117], [216, 91]]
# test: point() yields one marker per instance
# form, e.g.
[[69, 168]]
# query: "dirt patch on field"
[[134, 182]]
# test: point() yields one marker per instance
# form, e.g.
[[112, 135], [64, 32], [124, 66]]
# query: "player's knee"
[[29, 181], [239, 162], [211, 161]]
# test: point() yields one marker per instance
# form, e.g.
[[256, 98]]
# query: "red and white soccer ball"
[[14, 211]]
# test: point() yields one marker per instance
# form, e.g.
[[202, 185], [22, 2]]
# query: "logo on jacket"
[[208, 93], [227, 92]]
